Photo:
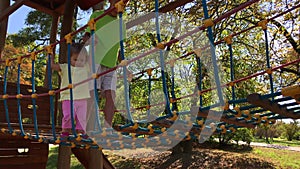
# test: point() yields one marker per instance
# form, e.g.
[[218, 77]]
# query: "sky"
[[16, 20]]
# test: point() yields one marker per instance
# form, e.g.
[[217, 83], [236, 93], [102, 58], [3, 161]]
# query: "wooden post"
[[66, 28], [90, 158], [96, 159], [3, 24], [82, 156], [64, 153], [64, 157], [54, 26]]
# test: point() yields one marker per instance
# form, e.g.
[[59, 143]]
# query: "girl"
[[79, 72]]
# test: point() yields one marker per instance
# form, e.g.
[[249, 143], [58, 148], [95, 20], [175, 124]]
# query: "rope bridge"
[[225, 116]]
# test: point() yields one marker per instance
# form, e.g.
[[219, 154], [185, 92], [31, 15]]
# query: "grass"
[[279, 141], [281, 158]]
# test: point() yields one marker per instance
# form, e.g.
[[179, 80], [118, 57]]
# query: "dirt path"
[[276, 146]]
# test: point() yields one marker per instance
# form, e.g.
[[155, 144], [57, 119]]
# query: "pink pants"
[[80, 108]]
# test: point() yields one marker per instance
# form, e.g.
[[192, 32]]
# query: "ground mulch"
[[202, 156]]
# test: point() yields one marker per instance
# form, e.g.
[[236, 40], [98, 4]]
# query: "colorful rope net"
[[173, 123]]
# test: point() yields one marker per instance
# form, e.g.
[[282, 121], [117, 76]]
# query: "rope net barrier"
[[224, 116]]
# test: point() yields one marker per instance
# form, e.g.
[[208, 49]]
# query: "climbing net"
[[199, 121]]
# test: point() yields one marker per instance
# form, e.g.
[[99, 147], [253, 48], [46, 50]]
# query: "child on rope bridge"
[[106, 56], [79, 71]]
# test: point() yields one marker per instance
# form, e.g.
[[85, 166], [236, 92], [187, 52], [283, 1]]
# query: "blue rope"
[[96, 97], [51, 97], [127, 100], [162, 63], [214, 59], [268, 61], [5, 100], [34, 100], [232, 72], [19, 101], [71, 90]]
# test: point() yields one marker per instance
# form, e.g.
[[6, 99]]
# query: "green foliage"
[[243, 134], [119, 119], [290, 130], [297, 136], [38, 28], [279, 130]]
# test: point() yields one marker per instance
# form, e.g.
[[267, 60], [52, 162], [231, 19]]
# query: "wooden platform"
[[18, 153], [15, 151]]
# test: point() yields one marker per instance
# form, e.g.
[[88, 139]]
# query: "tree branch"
[[290, 71], [287, 35]]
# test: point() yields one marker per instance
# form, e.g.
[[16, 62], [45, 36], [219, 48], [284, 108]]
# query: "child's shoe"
[[64, 136]]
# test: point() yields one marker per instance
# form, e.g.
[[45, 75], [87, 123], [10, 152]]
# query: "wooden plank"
[[11, 9], [214, 116], [35, 157], [22, 159], [274, 107], [8, 151], [31, 166], [15, 142], [43, 105], [31, 126], [22, 151], [43, 117], [165, 9], [166, 123]]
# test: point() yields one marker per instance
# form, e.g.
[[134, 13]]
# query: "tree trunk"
[[267, 136], [3, 24]]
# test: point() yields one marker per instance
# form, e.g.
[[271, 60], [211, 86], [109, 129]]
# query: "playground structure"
[[21, 101]]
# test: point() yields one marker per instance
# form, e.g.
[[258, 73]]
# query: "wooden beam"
[[11, 9], [60, 10], [274, 107], [165, 9], [3, 24], [40, 8]]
